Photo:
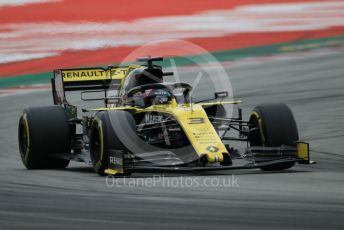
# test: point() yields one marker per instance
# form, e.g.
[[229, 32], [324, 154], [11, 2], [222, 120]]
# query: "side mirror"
[[167, 74], [219, 95]]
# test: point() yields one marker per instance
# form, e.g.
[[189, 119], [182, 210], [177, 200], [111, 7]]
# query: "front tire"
[[273, 125], [103, 137], [42, 132]]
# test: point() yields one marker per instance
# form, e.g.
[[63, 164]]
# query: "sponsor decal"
[[93, 74], [85, 73], [115, 160], [196, 120], [205, 136], [151, 119], [161, 93]]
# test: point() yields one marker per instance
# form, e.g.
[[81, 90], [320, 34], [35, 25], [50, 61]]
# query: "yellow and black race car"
[[149, 125]]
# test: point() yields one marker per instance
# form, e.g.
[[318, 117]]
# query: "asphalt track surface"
[[305, 197]]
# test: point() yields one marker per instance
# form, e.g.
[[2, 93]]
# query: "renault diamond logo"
[[212, 149]]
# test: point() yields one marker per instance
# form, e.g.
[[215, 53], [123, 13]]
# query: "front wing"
[[254, 158]]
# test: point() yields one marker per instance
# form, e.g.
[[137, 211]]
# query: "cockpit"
[[145, 86]]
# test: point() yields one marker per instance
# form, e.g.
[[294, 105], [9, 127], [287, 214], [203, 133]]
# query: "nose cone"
[[214, 157]]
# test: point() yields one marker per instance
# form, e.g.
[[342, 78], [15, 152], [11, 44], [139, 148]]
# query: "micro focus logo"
[[151, 119]]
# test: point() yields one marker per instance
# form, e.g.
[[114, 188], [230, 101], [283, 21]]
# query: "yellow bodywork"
[[191, 117], [303, 151], [113, 171], [195, 124], [201, 135]]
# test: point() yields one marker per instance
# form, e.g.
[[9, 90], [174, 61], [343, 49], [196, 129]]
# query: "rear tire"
[[44, 131], [273, 125]]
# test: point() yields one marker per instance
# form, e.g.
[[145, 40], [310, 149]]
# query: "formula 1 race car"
[[149, 125]]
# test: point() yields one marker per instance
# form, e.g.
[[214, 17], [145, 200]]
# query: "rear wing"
[[86, 79]]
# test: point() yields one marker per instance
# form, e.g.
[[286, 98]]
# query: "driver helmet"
[[157, 96]]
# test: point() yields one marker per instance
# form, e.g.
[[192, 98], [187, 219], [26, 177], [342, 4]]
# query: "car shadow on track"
[[87, 169]]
